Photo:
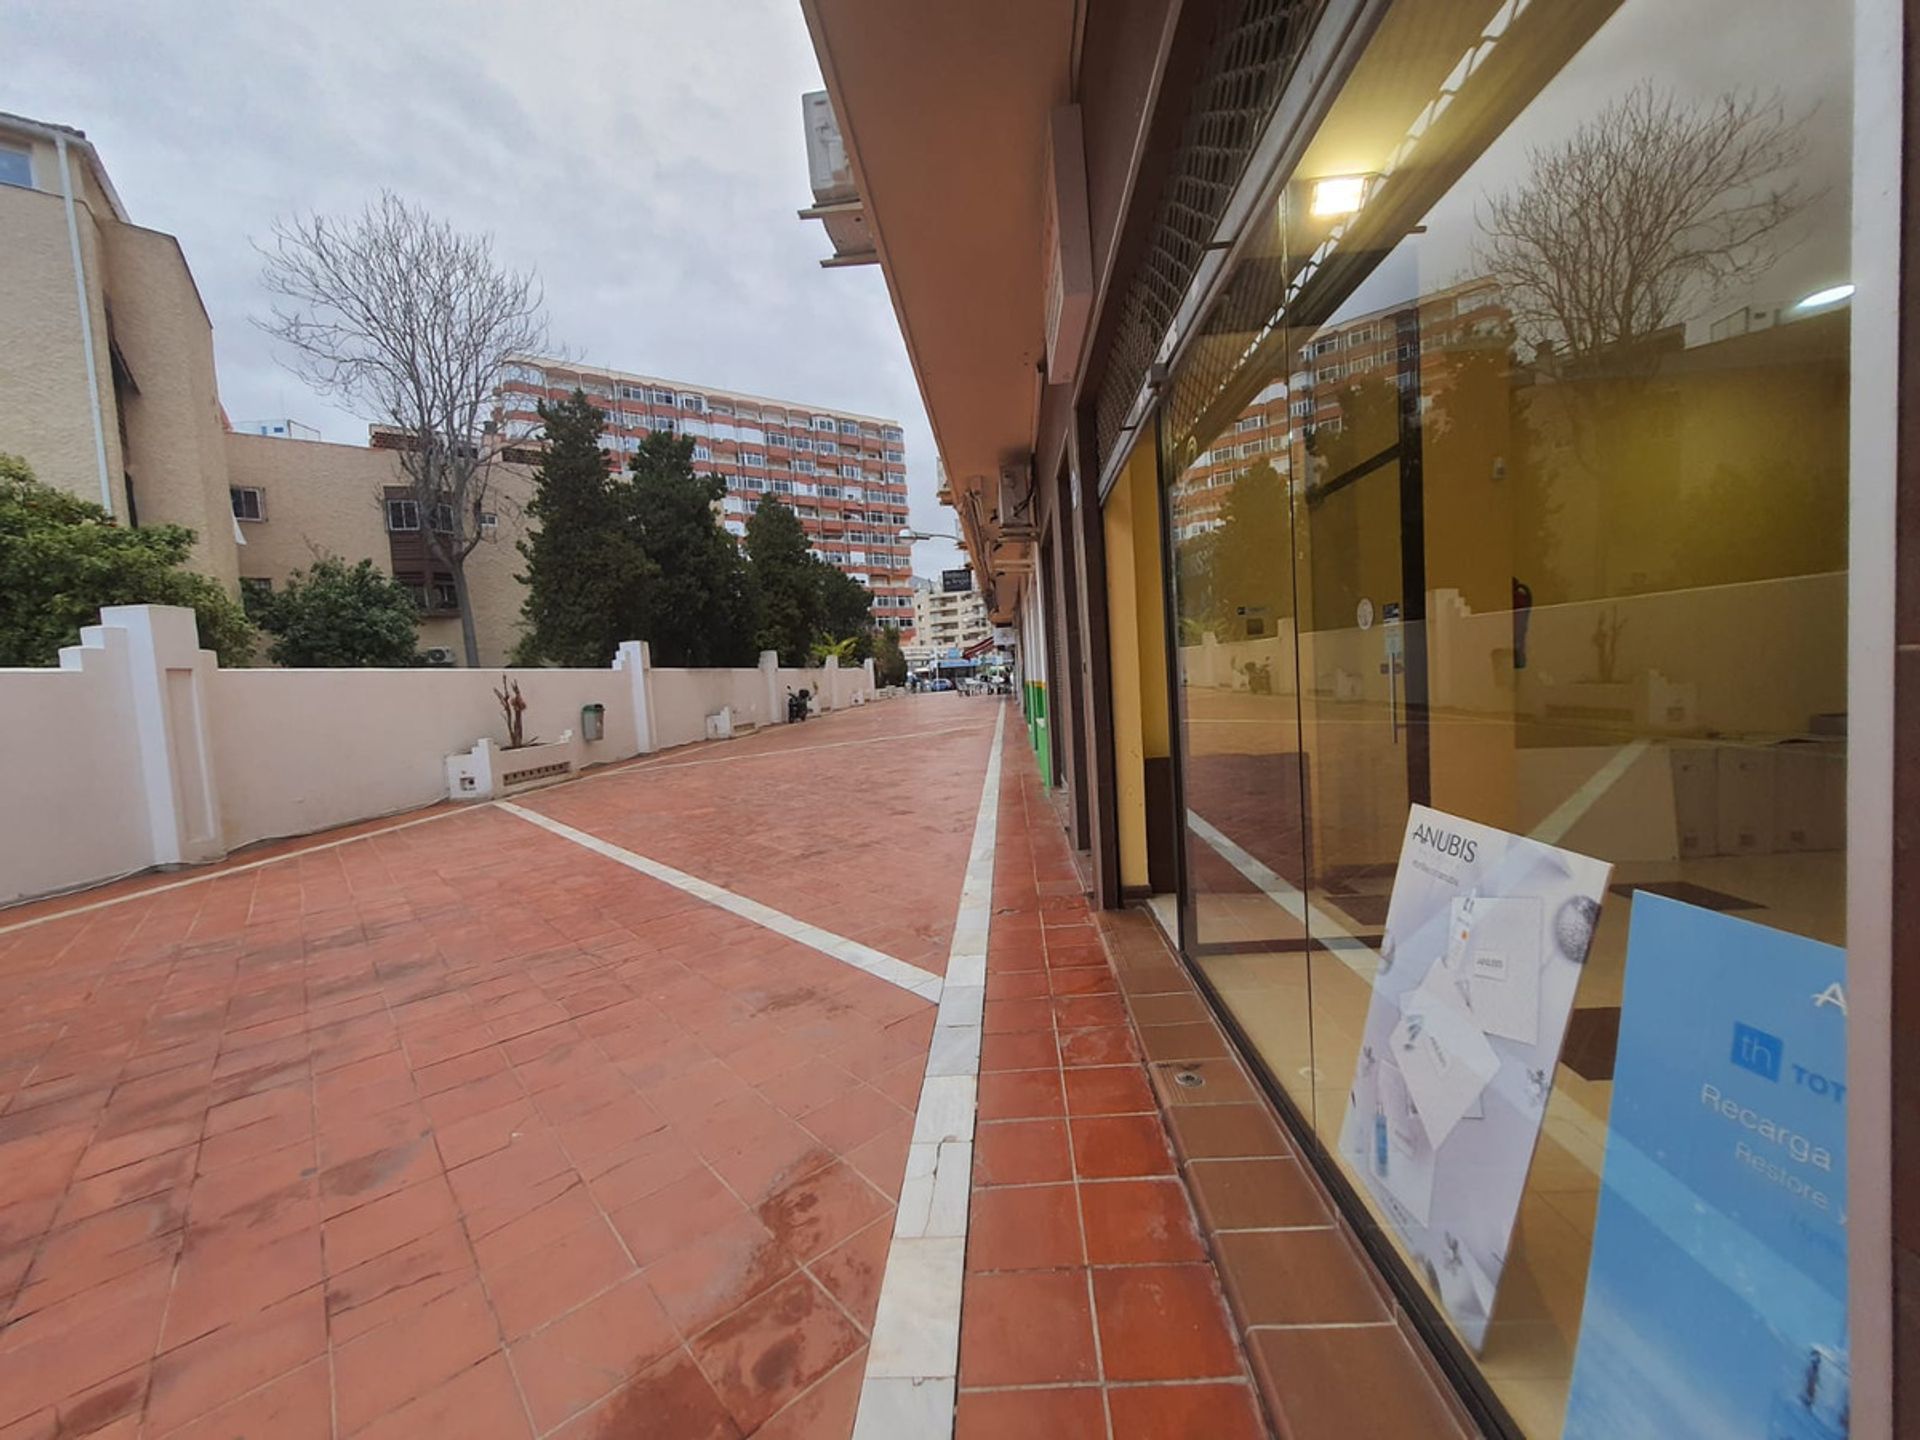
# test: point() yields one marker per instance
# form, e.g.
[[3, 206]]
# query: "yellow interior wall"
[[1156, 719], [1123, 645]]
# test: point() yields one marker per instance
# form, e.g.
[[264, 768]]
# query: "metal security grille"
[[1231, 105]]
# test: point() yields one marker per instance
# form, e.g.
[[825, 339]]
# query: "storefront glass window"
[[1521, 493]]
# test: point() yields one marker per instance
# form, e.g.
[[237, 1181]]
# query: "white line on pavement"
[[218, 871], [923, 983], [913, 1361]]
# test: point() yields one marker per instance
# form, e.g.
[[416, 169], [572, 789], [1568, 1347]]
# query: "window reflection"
[[1523, 494]]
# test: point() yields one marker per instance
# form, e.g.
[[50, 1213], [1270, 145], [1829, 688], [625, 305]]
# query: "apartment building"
[[106, 378], [844, 474], [946, 623]]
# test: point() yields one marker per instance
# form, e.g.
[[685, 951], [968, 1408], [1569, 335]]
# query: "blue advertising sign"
[[1717, 1295]]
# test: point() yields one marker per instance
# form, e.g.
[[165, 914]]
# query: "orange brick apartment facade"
[[844, 474]]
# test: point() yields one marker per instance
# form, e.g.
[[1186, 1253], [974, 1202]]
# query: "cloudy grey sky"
[[644, 157]]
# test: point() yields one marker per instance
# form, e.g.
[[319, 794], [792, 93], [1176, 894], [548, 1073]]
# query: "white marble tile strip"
[[923, 983], [913, 1362]]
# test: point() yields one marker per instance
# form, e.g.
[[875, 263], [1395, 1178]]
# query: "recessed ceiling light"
[[1832, 295]]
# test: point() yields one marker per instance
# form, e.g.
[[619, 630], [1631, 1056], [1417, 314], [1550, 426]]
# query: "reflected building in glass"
[[1485, 418]]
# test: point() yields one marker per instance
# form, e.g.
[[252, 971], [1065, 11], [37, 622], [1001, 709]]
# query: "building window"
[[803, 442], [249, 502], [489, 522], [753, 459], [403, 515], [898, 457], [445, 596], [824, 422], [703, 452], [804, 467], [777, 439], [254, 589], [695, 403]]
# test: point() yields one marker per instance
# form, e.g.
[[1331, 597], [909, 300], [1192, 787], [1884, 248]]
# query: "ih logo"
[[1757, 1051]]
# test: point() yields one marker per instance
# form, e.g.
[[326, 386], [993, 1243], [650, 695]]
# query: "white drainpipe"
[[86, 325]]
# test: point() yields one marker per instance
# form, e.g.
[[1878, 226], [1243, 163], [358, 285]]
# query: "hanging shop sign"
[[1717, 1293], [1485, 938]]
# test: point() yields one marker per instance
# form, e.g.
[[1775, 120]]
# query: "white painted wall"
[[237, 756], [303, 750], [75, 809]]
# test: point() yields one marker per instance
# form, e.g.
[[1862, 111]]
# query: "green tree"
[[589, 582], [787, 582], [340, 616], [846, 609], [700, 610], [889, 661], [63, 558]]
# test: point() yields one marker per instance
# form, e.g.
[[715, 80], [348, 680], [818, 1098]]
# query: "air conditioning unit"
[[439, 655], [1015, 504]]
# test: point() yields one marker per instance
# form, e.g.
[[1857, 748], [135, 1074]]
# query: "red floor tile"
[[1136, 1222], [1185, 1412], [817, 1212], [853, 1269], [1164, 1322], [1021, 1152], [1026, 1327], [1035, 1227], [1059, 1414], [587, 1355], [1116, 1146], [716, 1274], [768, 1352]]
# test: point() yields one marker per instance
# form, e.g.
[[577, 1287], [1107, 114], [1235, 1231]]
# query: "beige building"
[[945, 624], [107, 390], [294, 500], [106, 380]]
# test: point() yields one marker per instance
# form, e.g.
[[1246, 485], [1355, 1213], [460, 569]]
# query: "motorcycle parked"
[[797, 705]]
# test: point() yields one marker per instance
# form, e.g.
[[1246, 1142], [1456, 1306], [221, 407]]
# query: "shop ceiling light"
[[1832, 295], [1333, 196]]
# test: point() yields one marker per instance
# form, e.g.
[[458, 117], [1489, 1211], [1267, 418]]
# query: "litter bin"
[[593, 721]]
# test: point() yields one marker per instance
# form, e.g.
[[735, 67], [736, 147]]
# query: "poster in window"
[[1716, 1301], [1486, 936]]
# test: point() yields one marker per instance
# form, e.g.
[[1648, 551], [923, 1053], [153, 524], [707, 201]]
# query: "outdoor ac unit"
[[439, 655], [1015, 505]]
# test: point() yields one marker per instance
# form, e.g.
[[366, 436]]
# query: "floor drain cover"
[[1190, 1079]]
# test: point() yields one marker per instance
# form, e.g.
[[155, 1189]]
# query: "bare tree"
[[1651, 203], [413, 323]]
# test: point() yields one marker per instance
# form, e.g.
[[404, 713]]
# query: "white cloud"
[[645, 159]]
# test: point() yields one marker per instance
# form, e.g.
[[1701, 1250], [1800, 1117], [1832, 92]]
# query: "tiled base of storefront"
[[1329, 1349]]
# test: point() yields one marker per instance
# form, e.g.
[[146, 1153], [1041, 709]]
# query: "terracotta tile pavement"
[[832, 828], [463, 1129], [1091, 1310], [459, 1128]]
